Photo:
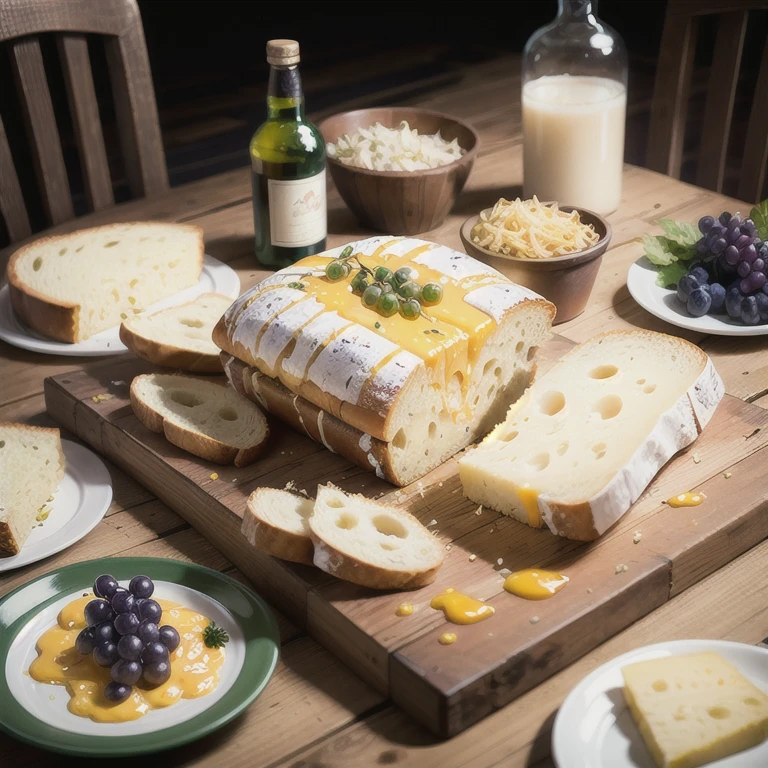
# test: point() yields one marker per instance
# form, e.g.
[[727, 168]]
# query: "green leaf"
[[683, 252], [670, 274], [759, 214], [680, 231], [657, 250]]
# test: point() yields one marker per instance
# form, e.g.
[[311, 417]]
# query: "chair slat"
[[11, 200], [73, 50], [720, 99], [41, 123], [670, 95], [755, 165]]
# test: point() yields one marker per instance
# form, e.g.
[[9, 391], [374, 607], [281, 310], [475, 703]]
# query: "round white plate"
[[80, 501], [662, 302], [216, 277], [594, 727]]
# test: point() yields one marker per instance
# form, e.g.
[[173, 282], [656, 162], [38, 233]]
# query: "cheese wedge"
[[694, 709]]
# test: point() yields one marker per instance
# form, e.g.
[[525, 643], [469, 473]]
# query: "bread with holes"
[[203, 417], [277, 522], [70, 287], [587, 438], [178, 337], [425, 387], [31, 468], [372, 544]]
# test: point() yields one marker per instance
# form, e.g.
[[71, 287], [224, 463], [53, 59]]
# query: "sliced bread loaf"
[[204, 417], [277, 522], [586, 439], [372, 544], [69, 287], [31, 468], [178, 337]]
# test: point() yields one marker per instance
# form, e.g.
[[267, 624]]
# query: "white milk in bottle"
[[573, 140]]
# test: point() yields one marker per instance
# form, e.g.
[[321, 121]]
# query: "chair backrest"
[[21, 22], [670, 96]]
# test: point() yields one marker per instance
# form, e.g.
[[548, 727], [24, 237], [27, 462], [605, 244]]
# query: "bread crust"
[[51, 317]]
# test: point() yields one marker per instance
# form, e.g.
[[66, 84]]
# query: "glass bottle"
[[574, 110], [288, 168]]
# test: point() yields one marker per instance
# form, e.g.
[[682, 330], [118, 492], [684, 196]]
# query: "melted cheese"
[[534, 583], [195, 668], [461, 609], [686, 500]]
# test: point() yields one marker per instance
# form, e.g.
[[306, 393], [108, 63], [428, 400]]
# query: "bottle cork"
[[282, 53]]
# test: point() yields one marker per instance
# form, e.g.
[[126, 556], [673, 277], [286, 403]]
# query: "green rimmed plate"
[[37, 712]]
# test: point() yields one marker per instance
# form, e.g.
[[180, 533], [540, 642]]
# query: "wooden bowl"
[[566, 281], [401, 202]]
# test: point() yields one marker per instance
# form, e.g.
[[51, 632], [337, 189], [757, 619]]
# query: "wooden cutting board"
[[448, 688]]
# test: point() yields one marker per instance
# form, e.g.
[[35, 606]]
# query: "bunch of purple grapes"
[[730, 255], [124, 634]]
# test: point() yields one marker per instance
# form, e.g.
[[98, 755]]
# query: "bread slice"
[[204, 417], [69, 287], [178, 337], [372, 544], [31, 468], [277, 522], [586, 439]]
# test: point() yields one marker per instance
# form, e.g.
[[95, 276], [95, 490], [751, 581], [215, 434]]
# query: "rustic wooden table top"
[[315, 712]]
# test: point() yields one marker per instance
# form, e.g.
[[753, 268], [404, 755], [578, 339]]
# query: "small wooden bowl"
[[566, 281], [401, 202]]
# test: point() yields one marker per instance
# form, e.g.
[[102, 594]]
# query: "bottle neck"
[[577, 10], [285, 97]]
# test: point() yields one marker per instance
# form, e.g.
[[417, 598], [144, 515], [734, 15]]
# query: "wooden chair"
[[670, 96], [21, 22]]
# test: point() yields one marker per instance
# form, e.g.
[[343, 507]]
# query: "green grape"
[[387, 305], [360, 283], [410, 290], [410, 309], [383, 274], [334, 271], [402, 275], [345, 265], [371, 295], [346, 253], [431, 294], [387, 287]]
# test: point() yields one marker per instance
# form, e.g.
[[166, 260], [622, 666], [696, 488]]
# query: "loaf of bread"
[[178, 337], [578, 449], [69, 287], [404, 393], [31, 468]]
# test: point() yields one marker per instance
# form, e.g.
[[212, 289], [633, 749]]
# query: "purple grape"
[[762, 306], [104, 631], [148, 632], [129, 647], [758, 265], [750, 314], [169, 637], [105, 586], [126, 672], [126, 623], [154, 652], [141, 586], [699, 302], [122, 602], [97, 611], [700, 273], [105, 653], [705, 224], [157, 672], [749, 228], [749, 254], [137, 605], [150, 609], [743, 241], [757, 280], [733, 297], [702, 246], [685, 285], [743, 269], [724, 218], [719, 245], [732, 255], [117, 692], [84, 641], [717, 294]]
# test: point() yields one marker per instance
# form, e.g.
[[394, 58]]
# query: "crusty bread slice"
[[586, 439], [372, 544], [69, 287], [178, 337], [277, 522], [203, 417], [31, 468]]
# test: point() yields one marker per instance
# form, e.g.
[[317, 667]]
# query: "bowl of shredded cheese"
[[553, 249], [399, 169]]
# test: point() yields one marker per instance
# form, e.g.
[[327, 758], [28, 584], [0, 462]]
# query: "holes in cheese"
[[191, 322], [228, 414], [539, 462], [609, 407], [552, 403], [182, 397], [389, 526], [346, 520], [603, 372], [649, 389]]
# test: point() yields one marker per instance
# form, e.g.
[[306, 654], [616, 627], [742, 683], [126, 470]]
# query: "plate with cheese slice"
[[682, 703]]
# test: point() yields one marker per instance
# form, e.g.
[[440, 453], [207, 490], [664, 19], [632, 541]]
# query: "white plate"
[[80, 501], [216, 277], [594, 728], [662, 302]]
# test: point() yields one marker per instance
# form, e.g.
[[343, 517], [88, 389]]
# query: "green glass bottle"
[[288, 168]]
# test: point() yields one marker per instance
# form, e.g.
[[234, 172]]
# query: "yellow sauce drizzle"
[[529, 498], [686, 500], [447, 638], [404, 609], [460, 609], [195, 668], [534, 583]]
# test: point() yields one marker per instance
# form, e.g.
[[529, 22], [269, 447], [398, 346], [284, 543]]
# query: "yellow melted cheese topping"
[[686, 500], [461, 609], [195, 668], [535, 583]]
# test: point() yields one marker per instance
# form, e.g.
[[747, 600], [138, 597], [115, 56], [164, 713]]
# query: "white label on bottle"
[[297, 214]]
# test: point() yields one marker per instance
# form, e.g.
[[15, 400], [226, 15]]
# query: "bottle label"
[[297, 214]]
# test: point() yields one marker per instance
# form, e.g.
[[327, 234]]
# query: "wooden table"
[[315, 712]]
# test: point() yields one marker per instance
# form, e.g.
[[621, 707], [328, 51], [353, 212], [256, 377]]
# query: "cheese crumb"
[[420, 487], [621, 568], [479, 510], [590, 590], [534, 619], [696, 458], [290, 486], [448, 547], [636, 538], [432, 522], [504, 572], [727, 475], [214, 475], [499, 561], [101, 398], [119, 383], [439, 485], [472, 558], [490, 530]]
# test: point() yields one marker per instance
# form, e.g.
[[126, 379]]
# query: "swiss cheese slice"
[[694, 709]]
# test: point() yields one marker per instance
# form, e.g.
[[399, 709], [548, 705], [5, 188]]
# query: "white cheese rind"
[[316, 333], [456, 265], [281, 331], [497, 300], [259, 312]]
